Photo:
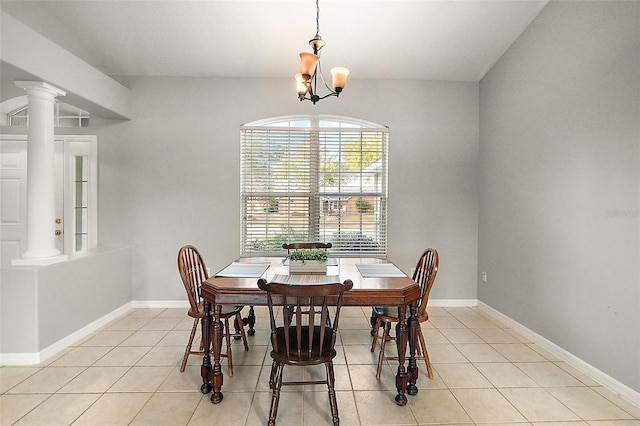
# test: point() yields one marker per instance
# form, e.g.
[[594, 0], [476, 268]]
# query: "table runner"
[[305, 279]]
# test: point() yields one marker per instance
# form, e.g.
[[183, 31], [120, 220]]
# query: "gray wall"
[[559, 161], [170, 176], [40, 306]]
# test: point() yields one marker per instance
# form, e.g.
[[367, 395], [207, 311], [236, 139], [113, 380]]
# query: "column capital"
[[40, 86]]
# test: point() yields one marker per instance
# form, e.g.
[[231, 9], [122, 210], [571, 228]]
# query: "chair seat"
[[227, 311], [390, 313], [306, 356], [386, 311]]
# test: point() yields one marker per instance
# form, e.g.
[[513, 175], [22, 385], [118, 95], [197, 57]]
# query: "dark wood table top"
[[388, 291]]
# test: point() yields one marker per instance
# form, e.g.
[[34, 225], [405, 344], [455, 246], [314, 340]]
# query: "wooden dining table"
[[237, 285]]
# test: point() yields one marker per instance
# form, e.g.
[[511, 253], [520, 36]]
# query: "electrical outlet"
[[484, 277], [208, 271]]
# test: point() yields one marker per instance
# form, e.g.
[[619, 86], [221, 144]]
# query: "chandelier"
[[307, 78]]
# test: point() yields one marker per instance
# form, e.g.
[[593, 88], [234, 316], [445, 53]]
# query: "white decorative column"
[[41, 244]]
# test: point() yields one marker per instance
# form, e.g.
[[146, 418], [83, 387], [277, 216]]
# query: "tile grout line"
[[455, 313]]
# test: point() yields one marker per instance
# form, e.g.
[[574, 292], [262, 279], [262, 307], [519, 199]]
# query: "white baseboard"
[[32, 358], [27, 358], [605, 380], [166, 304], [452, 303]]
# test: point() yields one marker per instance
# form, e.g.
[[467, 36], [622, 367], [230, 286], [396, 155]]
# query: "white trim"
[[84, 146], [31, 358], [604, 379], [45, 261], [27, 358], [452, 303], [313, 118], [167, 304]]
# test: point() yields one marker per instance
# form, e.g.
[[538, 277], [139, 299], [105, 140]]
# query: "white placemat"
[[244, 270], [379, 270]]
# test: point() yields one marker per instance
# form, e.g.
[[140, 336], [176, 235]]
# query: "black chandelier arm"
[[315, 98], [319, 71]]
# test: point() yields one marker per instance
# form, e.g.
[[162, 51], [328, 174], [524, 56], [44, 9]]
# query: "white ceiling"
[[419, 39]]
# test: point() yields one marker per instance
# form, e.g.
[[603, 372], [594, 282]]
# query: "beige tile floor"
[[485, 373]]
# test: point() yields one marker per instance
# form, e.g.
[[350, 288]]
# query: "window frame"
[[321, 132], [15, 113], [86, 147]]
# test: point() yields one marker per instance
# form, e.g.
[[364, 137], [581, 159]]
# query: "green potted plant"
[[312, 261]]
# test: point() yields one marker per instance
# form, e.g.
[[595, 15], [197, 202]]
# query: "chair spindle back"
[[193, 273], [425, 275]]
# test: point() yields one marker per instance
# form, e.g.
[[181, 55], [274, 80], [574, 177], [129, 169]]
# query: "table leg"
[[402, 377], [373, 320], [250, 320], [206, 345], [413, 325], [216, 337]]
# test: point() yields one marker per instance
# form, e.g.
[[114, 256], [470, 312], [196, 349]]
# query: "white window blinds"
[[314, 180]]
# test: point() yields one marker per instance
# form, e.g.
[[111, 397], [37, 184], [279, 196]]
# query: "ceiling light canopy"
[[310, 68]]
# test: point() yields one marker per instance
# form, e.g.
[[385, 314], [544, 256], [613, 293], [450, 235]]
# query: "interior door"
[[13, 196], [13, 199]]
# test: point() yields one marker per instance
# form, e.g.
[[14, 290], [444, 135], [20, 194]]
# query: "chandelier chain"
[[317, 18]]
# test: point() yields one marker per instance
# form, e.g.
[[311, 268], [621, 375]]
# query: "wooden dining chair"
[[424, 275], [302, 334], [193, 273], [306, 246]]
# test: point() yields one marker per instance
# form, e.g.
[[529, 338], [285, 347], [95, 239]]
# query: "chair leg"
[[425, 353], [238, 325], [250, 321], [227, 335], [333, 402], [375, 334], [201, 344], [385, 335], [275, 395], [272, 375], [238, 321], [188, 350]]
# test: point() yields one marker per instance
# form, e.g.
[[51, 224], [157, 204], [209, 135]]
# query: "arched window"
[[314, 178], [15, 113]]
